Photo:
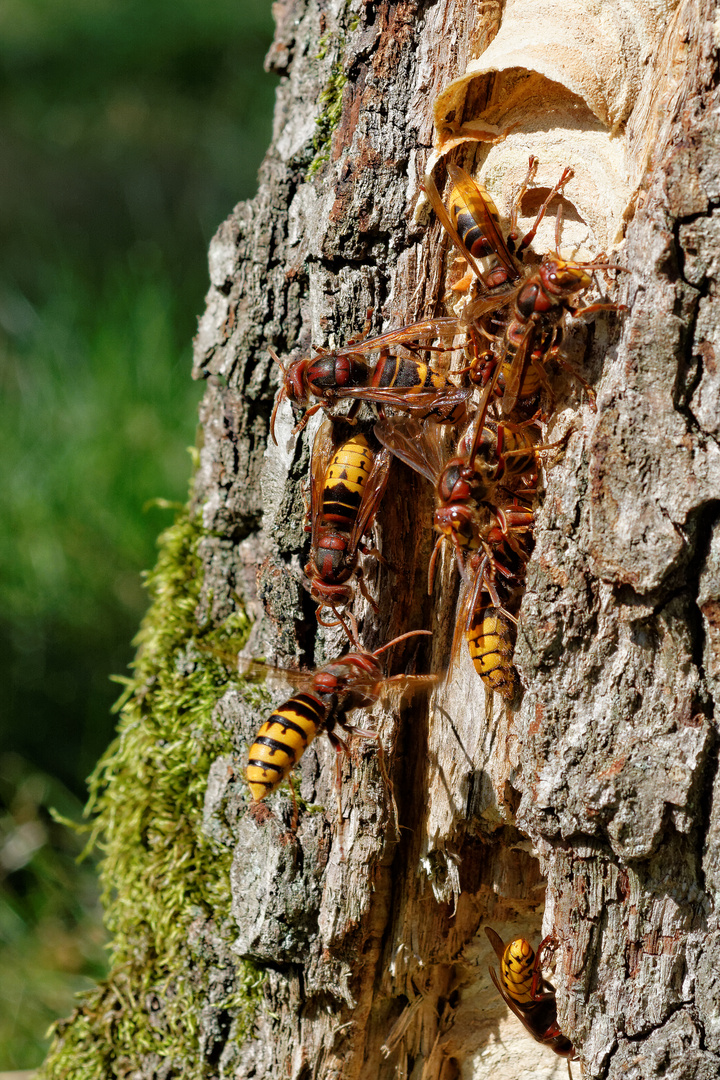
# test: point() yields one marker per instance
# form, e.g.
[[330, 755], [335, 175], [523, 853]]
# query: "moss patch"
[[331, 111], [166, 884]]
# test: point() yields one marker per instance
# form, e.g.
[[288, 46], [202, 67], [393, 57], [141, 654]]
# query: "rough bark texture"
[[597, 801]]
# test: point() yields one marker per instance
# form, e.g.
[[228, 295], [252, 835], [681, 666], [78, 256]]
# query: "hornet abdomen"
[[516, 969], [490, 639], [345, 482], [282, 740]]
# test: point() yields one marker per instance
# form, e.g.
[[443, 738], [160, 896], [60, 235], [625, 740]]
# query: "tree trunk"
[[591, 809]]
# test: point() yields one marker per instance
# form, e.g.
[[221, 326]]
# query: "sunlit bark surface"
[[591, 810]]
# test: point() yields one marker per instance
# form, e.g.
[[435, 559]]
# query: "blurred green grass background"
[[128, 130]]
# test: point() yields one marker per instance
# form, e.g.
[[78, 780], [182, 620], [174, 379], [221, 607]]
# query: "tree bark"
[[592, 809]]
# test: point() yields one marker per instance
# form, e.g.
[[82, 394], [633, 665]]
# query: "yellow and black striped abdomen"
[[281, 741], [525, 439], [345, 482], [491, 642], [531, 380], [517, 970], [468, 216], [406, 375]]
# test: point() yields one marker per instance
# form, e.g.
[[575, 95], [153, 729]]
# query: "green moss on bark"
[[329, 118], [166, 884]]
